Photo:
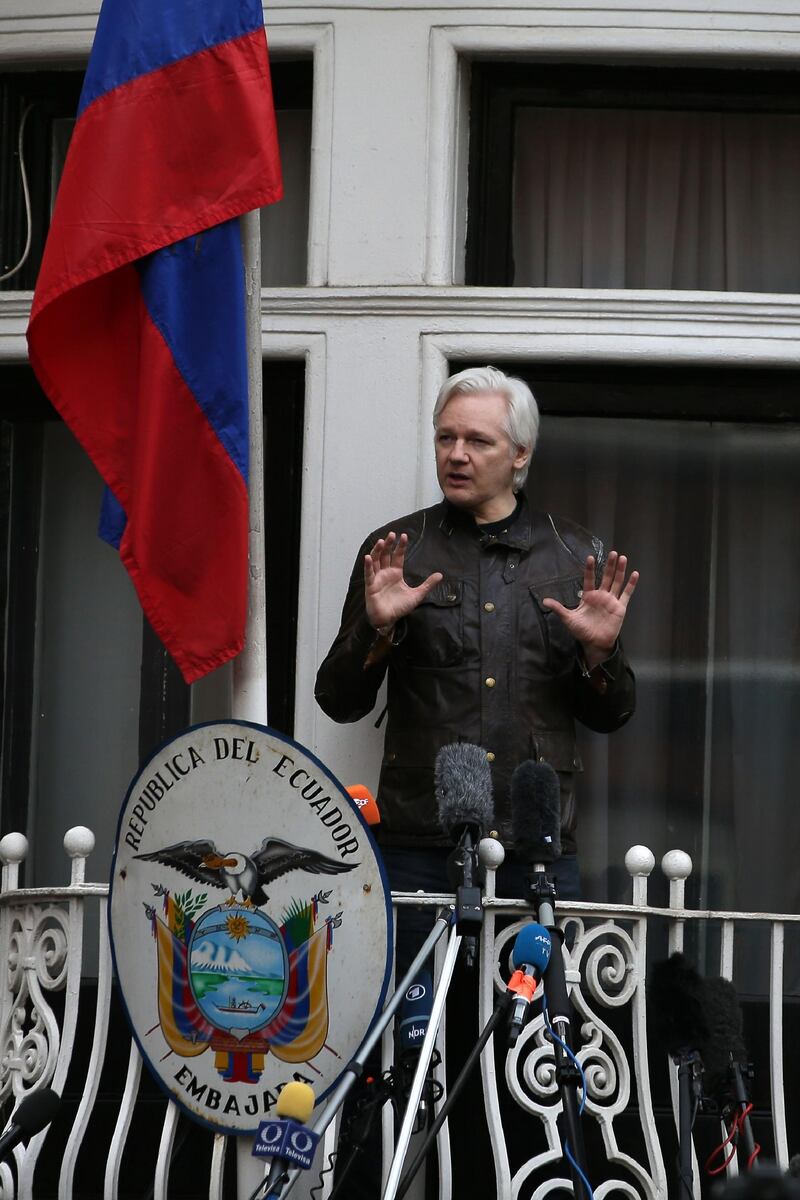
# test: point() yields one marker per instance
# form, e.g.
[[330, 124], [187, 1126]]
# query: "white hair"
[[522, 411]]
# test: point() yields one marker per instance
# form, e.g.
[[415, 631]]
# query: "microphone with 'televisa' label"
[[286, 1138], [530, 957], [366, 803]]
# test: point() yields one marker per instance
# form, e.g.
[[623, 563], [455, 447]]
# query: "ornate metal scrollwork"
[[37, 963]]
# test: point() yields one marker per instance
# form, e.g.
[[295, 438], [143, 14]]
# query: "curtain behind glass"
[[709, 762], [607, 198]]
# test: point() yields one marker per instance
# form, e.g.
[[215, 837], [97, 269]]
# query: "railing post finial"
[[13, 851], [79, 844], [639, 862]]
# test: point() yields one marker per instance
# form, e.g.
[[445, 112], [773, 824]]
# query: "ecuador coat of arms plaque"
[[250, 921]]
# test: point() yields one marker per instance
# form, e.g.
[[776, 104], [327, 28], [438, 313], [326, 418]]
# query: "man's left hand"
[[597, 620]]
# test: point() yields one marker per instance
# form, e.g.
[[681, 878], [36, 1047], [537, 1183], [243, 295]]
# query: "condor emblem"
[[250, 921]]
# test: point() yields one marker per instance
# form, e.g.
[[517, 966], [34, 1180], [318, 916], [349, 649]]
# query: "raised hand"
[[387, 595], [597, 620]]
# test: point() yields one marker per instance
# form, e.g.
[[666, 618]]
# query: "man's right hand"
[[387, 596]]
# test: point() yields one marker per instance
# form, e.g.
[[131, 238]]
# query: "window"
[[88, 690], [50, 99], [693, 473], [633, 177]]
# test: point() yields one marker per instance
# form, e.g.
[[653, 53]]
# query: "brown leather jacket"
[[479, 661]]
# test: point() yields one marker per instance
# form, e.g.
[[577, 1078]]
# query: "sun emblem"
[[238, 927]]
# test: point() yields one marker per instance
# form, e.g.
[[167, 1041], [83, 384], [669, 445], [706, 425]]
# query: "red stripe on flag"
[[161, 138], [185, 544]]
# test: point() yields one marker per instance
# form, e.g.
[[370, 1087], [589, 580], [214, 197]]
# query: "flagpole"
[[249, 700]]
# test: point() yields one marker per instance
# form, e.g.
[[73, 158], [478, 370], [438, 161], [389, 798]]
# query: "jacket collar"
[[518, 537]]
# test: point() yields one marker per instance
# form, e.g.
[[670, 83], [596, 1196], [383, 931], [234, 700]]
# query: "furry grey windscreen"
[[463, 780], [536, 812]]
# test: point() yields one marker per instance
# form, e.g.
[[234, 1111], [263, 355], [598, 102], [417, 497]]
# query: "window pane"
[[88, 656], [609, 198], [708, 762], [284, 226], [52, 96]]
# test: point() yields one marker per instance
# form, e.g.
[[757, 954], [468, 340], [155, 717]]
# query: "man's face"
[[475, 459]]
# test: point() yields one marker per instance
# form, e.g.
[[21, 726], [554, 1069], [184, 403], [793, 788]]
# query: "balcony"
[[116, 1135]]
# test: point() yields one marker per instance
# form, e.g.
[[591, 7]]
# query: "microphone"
[[366, 803], [413, 1021], [677, 1004], [726, 1066], [536, 813], [530, 957], [33, 1115], [463, 782], [286, 1139]]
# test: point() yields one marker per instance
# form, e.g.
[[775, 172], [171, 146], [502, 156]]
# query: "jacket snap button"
[[489, 756], [491, 681], [488, 606], [451, 596]]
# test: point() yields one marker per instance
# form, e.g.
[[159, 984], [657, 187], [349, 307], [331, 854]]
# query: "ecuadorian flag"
[[137, 329]]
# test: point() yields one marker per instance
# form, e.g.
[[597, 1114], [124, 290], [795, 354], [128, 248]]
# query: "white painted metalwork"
[[42, 931]]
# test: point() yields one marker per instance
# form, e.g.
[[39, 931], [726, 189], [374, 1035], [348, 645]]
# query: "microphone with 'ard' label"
[[412, 1025]]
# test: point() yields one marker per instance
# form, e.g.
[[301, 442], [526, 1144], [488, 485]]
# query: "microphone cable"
[[579, 1066], [732, 1140]]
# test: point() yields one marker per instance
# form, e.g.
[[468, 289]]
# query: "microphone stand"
[[418, 1083], [690, 1070], [281, 1188], [463, 865], [499, 1013], [542, 895], [741, 1103], [468, 920]]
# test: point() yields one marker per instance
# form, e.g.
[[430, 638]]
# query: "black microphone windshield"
[[463, 780], [36, 1111], [536, 812], [677, 1000], [726, 1038]]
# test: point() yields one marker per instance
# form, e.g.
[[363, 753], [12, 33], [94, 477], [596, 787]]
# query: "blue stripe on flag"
[[194, 292], [129, 42]]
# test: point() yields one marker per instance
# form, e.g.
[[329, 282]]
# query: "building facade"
[[601, 198]]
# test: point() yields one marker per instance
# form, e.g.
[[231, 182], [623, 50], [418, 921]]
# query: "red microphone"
[[366, 802]]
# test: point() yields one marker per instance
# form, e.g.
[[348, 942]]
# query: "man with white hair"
[[497, 625]]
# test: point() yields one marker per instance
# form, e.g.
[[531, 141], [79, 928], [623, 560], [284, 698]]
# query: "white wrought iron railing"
[[43, 1001]]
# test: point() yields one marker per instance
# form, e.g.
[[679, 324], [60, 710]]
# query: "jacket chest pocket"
[[559, 642], [434, 634]]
